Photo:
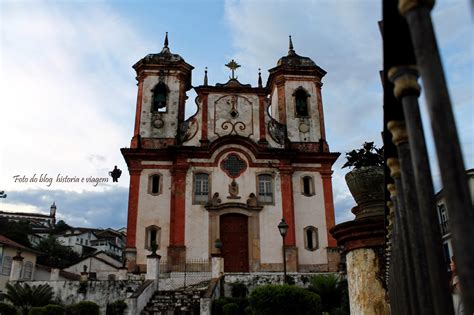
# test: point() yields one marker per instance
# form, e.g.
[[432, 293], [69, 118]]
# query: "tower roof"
[[163, 57], [294, 60]]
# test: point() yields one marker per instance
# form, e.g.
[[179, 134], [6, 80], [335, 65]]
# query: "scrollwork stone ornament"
[[277, 131]]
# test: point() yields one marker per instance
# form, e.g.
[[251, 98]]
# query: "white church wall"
[[196, 221], [153, 210], [270, 239], [293, 122], [310, 211], [170, 116]]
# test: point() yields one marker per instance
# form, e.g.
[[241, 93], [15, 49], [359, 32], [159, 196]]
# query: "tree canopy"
[[54, 254]]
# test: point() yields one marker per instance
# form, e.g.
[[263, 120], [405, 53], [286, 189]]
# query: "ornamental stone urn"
[[366, 185]]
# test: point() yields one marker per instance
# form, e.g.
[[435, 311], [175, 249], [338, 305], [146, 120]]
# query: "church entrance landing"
[[234, 237]]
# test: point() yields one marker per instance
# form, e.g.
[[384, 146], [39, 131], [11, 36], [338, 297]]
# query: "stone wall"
[[100, 292]]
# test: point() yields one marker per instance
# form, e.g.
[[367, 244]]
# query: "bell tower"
[[295, 87], [163, 80]]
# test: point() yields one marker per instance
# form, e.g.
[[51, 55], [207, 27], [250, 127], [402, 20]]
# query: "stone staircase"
[[181, 301]]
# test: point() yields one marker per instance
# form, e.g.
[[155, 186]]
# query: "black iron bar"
[[455, 188]]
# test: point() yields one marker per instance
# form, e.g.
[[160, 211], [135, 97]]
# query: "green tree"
[[60, 226], [25, 296], [16, 231], [54, 254], [333, 292]]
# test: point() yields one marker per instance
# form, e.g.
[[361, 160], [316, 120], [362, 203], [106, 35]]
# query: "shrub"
[[239, 290], [52, 309], [37, 311], [7, 309], [284, 299], [231, 309], [218, 305], [84, 308], [116, 308]]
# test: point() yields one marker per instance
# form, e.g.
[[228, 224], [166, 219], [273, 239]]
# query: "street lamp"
[[283, 228]]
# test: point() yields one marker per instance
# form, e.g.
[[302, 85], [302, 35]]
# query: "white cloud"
[[68, 91], [341, 37]]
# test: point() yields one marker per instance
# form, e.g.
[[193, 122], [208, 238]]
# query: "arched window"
[[307, 185], [201, 188], [301, 103], [152, 236], [265, 188], [311, 240], [160, 94], [7, 265], [27, 271], [155, 184]]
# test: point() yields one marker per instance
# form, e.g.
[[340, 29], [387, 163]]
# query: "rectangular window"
[[7, 265], [265, 188], [154, 184], [443, 214], [201, 188], [27, 270]]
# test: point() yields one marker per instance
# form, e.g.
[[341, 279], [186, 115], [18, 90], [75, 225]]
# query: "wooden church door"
[[234, 237]]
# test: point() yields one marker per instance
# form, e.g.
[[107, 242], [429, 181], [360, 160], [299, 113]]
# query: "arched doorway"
[[234, 237]]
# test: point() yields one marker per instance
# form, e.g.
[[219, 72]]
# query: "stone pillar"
[[217, 262], [131, 259], [291, 254], [152, 266], [17, 266], [84, 276], [122, 273], [54, 274], [363, 242]]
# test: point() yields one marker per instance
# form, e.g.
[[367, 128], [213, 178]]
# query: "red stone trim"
[[178, 203], [281, 104], [205, 109], [320, 109], [328, 205], [138, 114], [261, 120], [287, 202], [157, 166], [135, 172]]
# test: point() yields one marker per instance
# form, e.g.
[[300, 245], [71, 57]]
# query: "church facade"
[[221, 181]]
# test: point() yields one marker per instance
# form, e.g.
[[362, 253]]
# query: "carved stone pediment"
[[227, 205]]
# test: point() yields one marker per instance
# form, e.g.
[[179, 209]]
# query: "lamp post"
[[283, 228]]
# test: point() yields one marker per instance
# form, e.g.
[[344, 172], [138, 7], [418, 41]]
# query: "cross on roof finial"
[[232, 65]]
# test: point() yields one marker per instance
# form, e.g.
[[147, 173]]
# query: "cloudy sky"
[[68, 91]]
